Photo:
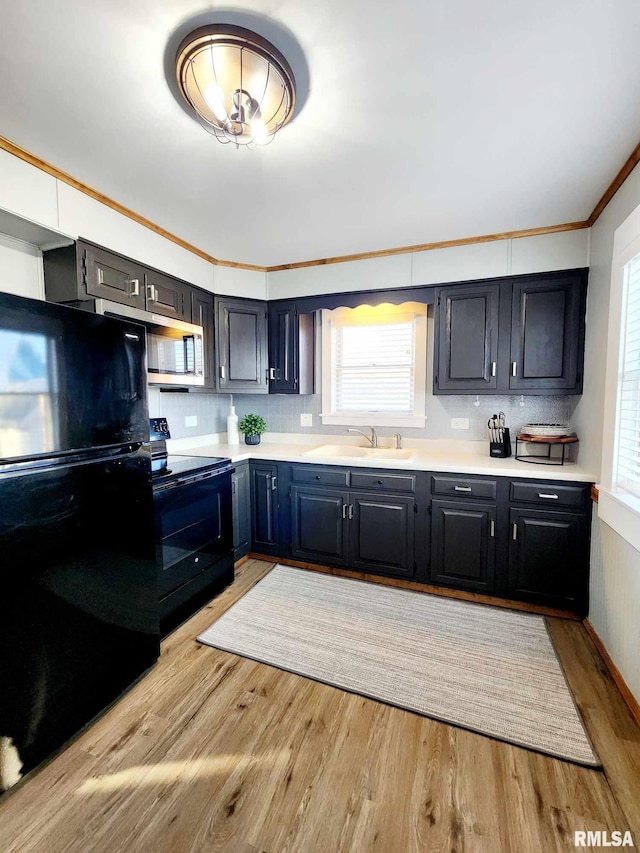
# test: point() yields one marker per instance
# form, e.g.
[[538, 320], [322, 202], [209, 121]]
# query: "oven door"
[[193, 526]]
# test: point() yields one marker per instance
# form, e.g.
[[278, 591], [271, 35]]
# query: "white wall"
[[30, 193], [614, 609], [21, 268], [564, 250]]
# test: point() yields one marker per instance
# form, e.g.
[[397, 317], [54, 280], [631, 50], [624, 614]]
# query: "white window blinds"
[[628, 426], [373, 367]]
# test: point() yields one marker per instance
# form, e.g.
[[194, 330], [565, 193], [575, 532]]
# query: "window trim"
[[419, 418], [618, 508]]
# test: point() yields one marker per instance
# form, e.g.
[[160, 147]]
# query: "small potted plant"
[[252, 426]]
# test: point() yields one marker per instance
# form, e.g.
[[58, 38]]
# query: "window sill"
[[375, 420], [621, 512]]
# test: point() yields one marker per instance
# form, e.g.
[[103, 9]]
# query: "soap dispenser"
[[233, 434]]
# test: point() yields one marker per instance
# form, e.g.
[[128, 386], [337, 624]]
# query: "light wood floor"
[[212, 752]]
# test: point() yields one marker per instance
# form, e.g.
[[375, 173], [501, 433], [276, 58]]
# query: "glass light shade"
[[239, 85]]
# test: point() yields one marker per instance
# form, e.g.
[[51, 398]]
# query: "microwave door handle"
[[185, 340]]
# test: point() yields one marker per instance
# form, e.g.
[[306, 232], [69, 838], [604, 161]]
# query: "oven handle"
[[189, 479]]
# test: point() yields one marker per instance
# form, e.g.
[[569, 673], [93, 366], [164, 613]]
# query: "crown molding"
[[614, 186]]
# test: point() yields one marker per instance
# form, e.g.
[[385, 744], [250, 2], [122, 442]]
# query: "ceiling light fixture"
[[239, 85]]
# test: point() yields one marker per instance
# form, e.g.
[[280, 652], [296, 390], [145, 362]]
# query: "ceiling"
[[421, 120]]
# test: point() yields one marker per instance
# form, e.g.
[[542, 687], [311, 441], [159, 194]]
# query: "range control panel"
[[158, 429]]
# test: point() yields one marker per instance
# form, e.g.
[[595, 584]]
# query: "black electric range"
[[174, 467], [193, 527]]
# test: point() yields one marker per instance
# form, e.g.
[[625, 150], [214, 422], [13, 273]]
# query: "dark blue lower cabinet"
[[382, 534], [265, 506], [319, 525], [366, 532], [463, 545], [241, 503], [549, 558]]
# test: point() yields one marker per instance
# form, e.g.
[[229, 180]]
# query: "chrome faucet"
[[398, 441], [373, 439]]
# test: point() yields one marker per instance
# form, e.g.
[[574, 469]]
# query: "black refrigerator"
[[78, 584]]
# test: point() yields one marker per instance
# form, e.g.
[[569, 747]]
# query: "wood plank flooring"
[[212, 752]]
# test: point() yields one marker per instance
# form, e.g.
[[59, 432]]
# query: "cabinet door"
[[466, 350], [202, 315], [291, 350], [168, 296], [265, 526], [241, 502], [109, 276], [319, 525], [549, 558], [241, 346], [547, 335], [382, 534], [463, 545]]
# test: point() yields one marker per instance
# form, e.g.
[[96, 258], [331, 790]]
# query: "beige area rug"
[[490, 670]]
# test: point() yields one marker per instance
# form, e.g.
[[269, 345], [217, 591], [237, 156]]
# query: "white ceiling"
[[425, 120]]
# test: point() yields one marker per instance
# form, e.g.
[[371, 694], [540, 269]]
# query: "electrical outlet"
[[459, 423], [191, 420], [306, 420]]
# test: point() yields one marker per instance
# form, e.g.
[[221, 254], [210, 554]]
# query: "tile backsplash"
[[282, 413]]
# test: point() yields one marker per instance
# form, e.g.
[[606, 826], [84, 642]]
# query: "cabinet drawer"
[[319, 476], [383, 482], [549, 494], [464, 487]]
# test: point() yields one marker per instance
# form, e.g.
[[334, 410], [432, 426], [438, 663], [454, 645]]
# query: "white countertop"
[[457, 457]]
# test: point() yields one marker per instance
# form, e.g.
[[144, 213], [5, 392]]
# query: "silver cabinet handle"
[[344, 510], [152, 293], [272, 373], [222, 371], [274, 482], [547, 497], [514, 368], [514, 532], [350, 516], [493, 368], [492, 531], [135, 287], [462, 488]]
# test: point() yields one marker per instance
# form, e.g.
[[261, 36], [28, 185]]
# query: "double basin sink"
[[345, 451]]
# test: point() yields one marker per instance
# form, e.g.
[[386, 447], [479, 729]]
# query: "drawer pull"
[[492, 531], [462, 488], [547, 497], [514, 532], [318, 477], [381, 482]]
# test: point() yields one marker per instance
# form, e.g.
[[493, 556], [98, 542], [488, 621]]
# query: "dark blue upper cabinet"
[[241, 346], [518, 336]]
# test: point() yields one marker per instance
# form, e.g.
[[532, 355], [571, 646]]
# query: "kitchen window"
[[374, 365], [619, 505]]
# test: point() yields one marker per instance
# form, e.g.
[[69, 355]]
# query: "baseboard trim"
[[241, 561], [478, 598], [616, 675]]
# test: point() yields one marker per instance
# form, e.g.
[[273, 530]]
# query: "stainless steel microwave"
[[175, 354]]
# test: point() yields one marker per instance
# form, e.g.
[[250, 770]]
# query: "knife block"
[[501, 449]]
